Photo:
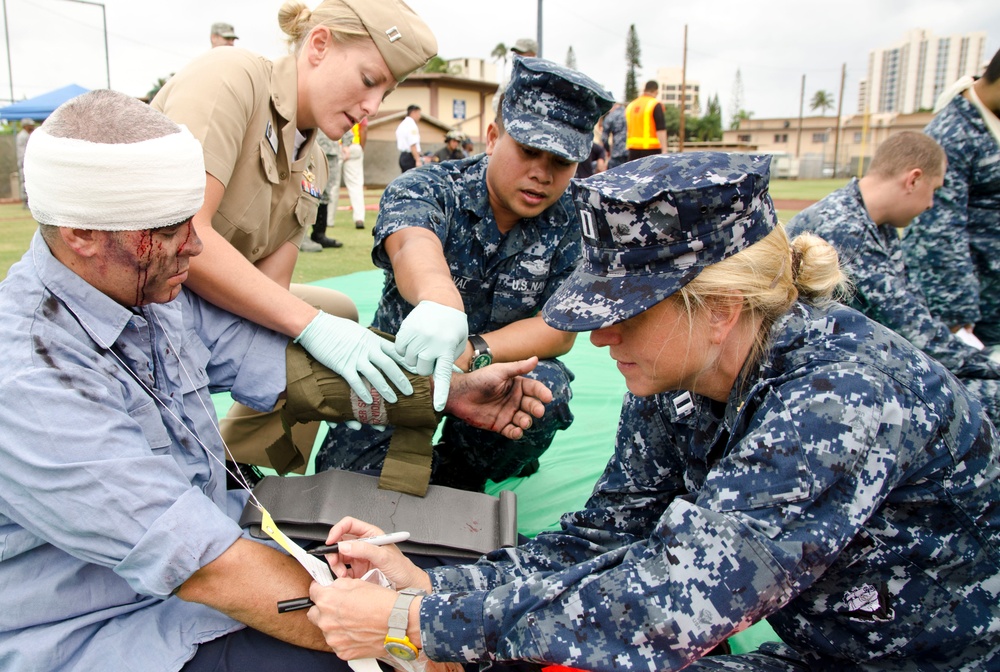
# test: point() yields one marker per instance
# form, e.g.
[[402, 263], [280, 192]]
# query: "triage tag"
[[318, 569]]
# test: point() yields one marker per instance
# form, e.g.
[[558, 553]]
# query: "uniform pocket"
[[305, 209], [268, 162], [147, 416], [195, 356], [874, 601], [518, 290]]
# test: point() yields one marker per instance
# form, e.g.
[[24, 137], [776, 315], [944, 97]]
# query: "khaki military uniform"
[[242, 108]]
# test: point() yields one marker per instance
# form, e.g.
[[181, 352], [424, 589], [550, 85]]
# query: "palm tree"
[[741, 115], [822, 101], [500, 53]]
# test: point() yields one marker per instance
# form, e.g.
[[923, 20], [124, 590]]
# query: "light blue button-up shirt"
[[109, 499]]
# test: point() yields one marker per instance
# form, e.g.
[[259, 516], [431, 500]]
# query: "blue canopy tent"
[[40, 107]]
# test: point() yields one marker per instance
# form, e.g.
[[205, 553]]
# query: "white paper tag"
[[318, 569]]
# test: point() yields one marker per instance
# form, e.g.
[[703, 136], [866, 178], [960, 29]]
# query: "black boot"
[[319, 230]]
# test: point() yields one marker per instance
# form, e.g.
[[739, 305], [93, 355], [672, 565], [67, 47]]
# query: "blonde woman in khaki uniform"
[[256, 120]]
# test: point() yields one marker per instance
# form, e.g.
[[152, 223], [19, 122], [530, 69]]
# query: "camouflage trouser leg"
[[614, 162], [353, 449], [467, 456], [770, 657]]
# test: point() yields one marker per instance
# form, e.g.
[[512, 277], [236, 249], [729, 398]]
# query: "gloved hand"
[[429, 340], [352, 351]]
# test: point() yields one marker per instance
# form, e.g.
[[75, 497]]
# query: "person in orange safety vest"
[[647, 128]]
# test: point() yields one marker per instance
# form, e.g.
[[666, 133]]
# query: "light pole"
[[104, 17], [539, 29], [6, 34]]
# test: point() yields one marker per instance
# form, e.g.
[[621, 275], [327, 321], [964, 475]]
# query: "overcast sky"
[[772, 42]]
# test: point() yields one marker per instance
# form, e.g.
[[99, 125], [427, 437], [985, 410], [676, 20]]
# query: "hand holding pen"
[[381, 540], [285, 606]]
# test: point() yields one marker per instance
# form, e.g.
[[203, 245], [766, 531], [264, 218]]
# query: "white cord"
[[238, 477]]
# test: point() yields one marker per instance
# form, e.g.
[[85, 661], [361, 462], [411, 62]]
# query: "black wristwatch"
[[481, 353]]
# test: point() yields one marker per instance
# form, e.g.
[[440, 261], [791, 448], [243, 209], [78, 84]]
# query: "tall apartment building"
[[669, 80], [909, 75]]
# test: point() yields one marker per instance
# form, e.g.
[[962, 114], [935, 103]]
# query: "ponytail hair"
[[770, 276], [296, 20]]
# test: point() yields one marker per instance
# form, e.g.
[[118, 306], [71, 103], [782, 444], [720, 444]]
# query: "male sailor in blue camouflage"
[[862, 220], [953, 250], [614, 133], [779, 455], [476, 247]]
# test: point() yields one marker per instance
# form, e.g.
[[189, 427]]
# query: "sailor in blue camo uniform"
[[862, 220], [953, 250], [614, 133], [779, 455], [487, 240]]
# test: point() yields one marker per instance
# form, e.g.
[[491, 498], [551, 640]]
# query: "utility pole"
[[539, 32], [802, 101], [104, 17], [6, 34], [684, 65], [840, 107]]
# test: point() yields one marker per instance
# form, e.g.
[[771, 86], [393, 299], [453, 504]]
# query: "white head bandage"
[[114, 187]]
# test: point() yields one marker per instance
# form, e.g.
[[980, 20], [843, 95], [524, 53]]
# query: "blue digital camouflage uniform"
[[872, 255], [616, 128], [952, 251], [502, 278], [847, 489], [848, 493]]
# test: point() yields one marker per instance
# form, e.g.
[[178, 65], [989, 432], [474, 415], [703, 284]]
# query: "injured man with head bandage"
[[118, 537]]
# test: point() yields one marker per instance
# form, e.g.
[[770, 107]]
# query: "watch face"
[[482, 360], [400, 650]]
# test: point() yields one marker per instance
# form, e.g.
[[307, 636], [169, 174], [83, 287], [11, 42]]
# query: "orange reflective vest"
[[640, 124]]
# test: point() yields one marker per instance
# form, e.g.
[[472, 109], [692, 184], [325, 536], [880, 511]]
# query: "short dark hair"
[[992, 73], [108, 117], [498, 117], [906, 150], [651, 85], [410, 110]]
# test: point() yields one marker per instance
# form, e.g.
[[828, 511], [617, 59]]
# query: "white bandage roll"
[[114, 187]]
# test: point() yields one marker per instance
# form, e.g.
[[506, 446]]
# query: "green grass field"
[[811, 190], [17, 227]]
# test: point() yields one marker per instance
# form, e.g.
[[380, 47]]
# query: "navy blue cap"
[[553, 108], [651, 225]]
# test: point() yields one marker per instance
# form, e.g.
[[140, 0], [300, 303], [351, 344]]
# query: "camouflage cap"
[[553, 108], [402, 37], [225, 30], [651, 225], [525, 45]]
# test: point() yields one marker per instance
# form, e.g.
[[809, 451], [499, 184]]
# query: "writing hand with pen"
[[285, 606], [353, 614]]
